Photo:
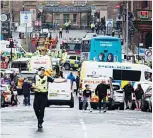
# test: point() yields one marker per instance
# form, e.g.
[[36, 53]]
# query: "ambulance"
[[37, 62]]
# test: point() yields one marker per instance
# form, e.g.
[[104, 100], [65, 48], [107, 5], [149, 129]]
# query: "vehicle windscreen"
[[85, 45], [148, 76], [29, 76], [72, 46], [116, 87], [20, 66]]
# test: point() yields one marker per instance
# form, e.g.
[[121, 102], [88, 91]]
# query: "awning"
[[67, 9], [144, 26]]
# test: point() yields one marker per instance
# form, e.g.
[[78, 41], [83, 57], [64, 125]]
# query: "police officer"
[[41, 90]]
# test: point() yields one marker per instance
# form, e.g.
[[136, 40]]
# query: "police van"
[[40, 61], [22, 64], [60, 94], [121, 73], [93, 81]]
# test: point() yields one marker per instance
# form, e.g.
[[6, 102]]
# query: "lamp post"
[[127, 6]]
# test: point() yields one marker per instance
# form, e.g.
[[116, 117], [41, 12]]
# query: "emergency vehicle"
[[93, 81], [72, 46], [60, 94], [121, 73], [71, 61]]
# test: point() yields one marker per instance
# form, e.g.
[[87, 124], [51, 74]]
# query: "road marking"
[[85, 135]]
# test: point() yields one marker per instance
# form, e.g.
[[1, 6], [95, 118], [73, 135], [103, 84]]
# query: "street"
[[64, 122]]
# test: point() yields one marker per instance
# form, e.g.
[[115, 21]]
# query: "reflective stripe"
[[43, 87]]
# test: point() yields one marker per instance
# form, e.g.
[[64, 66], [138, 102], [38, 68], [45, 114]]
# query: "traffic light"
[[11, 43]]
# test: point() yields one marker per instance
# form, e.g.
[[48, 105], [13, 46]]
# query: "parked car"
[[23, 75], [118, 96], [147, 100], [5, 95]]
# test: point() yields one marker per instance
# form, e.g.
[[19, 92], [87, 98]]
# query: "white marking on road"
[[85, 135]]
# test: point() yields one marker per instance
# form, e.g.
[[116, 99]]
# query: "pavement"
[[66, 122]]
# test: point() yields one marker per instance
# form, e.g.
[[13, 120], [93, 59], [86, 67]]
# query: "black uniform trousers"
[[40, 102]]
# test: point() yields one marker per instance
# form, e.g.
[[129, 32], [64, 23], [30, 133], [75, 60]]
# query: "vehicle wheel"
[[94, 107], [133, 105], [122, 106], [80, 105], [74, 69], [72, 104], [144, 107], [67, 66], [111, 105], [2, 101]]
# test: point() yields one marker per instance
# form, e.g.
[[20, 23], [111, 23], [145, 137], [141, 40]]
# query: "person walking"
[[26, 92], [128, 90], [86, 98], [60, 32], [77, 80], [72, 79], [138, 94], [101, 92]]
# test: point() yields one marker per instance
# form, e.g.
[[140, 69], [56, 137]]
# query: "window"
[[78, 58], [66, 18], [116, 87], [86, 46], [73, 57], [148, 76], [53, 2], [74, 18], [127, 75], [57, 18], [79, 2]]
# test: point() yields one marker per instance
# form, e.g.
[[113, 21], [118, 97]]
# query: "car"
[[23, 75], [147, 100], [118, 96], [5, 95], [60, 94], [72, 61], [145, 86]]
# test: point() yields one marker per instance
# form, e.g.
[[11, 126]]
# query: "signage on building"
[[33, 12], [3, 17], [144, 15], [26, 18], [148, 55], [65, 9]]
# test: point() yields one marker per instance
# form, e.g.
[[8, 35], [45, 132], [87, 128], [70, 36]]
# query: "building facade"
[[78, 12]]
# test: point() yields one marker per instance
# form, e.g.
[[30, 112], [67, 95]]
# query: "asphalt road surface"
[[66, 122]]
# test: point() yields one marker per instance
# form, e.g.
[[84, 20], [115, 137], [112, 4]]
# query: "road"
[[64, 122]]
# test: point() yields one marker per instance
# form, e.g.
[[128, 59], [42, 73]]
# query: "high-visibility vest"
[[60, 29], [43, 87]]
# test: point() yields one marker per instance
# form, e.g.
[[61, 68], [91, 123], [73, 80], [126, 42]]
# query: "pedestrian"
[[26, 87], [101, 92], [14, 77], [41, 91], [138, 94], [86, 98], [77, 80], [128, 90], [72, 79], [60, 32], [14, 99]]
